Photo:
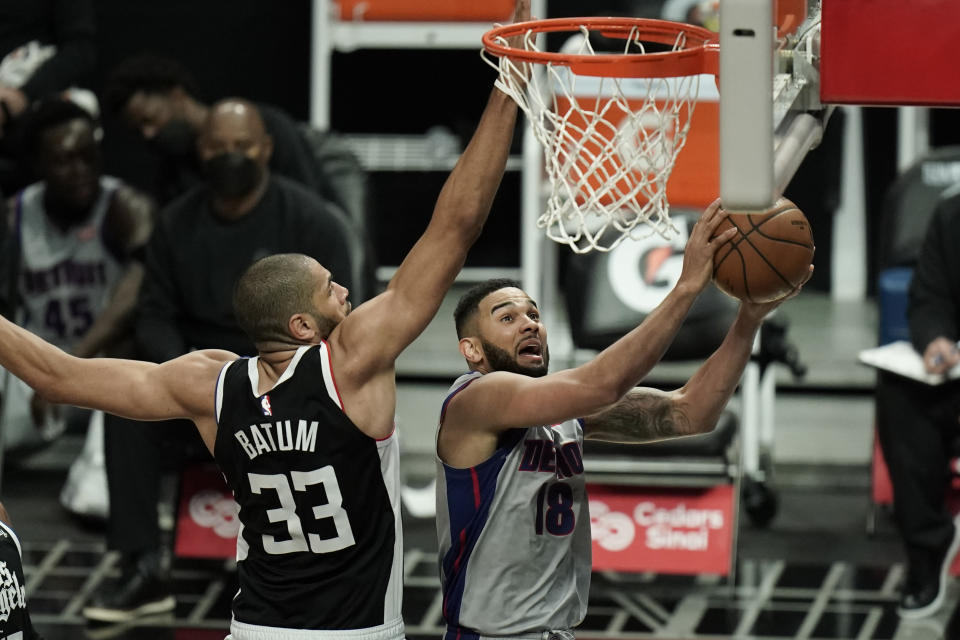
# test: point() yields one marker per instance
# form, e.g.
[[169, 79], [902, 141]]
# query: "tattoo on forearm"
[[641, 417]]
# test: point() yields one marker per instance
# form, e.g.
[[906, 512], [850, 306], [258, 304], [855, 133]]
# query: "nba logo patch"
[[265, 405]]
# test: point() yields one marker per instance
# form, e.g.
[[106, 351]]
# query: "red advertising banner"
[[207, 518], [664, 530]]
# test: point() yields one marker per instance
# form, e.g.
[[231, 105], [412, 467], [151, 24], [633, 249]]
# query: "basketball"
[[770, 256]]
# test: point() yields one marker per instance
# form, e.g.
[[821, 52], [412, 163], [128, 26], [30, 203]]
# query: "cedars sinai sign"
[[684, 531]]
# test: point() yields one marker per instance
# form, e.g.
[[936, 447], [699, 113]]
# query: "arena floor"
[[814, 573]]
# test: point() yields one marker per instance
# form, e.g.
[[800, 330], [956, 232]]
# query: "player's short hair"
[[146, 72], [44, 115], [269, 292], [469, 302]]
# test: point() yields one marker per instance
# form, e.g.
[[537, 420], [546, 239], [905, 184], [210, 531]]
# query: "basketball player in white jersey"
[[304, 433], [512, 520]]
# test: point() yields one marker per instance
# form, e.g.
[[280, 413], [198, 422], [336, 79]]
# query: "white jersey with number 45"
[[66, 275]]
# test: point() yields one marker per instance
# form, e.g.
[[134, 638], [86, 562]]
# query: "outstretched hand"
[[698, 254]]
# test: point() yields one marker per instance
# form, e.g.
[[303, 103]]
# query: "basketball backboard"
[[596, 100], [853, 52], [764, 137]]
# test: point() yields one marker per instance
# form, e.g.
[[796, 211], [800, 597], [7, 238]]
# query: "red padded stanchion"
[[890, 52]]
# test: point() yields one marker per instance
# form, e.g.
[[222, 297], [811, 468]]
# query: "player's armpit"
[[643, 415], [369, 334]]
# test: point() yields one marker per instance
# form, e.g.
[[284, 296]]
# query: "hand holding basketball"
[[760, 310], [769, 255], [705, 237]]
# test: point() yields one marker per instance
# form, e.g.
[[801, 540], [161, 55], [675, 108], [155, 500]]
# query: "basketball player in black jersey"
[[304, 433], [14, 616]]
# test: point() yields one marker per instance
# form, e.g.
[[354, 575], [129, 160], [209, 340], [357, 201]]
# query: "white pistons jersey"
[[514, 534], [66, 277]]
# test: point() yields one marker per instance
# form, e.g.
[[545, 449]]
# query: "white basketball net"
[[609, 144]]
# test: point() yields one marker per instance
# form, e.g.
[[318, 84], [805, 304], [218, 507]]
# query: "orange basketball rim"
[[611, 124], [698, 53]]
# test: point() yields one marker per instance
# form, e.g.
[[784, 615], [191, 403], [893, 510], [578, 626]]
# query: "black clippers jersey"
[[14, 619], [320, 545]]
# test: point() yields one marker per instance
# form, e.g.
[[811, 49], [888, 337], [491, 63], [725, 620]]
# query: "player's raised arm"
[[180, 388], [646, 415], [426, 274], [514, 401]]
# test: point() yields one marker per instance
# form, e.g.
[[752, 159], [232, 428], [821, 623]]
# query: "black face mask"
[[231, 174], [176, 138]]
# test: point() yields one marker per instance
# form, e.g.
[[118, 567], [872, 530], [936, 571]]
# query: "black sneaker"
[[142, 590], [921, 599]]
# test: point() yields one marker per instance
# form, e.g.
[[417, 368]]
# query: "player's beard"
[[500, 360], [325, 324]]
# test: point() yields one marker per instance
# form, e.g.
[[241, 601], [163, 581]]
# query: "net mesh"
[[609, 144]]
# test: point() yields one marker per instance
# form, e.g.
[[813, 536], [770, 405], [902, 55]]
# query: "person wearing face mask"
[[242, 211], [158, 98], [203, 242], [71, 248]]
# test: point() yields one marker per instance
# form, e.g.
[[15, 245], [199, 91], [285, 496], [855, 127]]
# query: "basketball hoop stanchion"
[[611, 124]]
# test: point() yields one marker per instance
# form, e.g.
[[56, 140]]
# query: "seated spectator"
[[203, 243], [917, 423], [70, 270], [158, 98]]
